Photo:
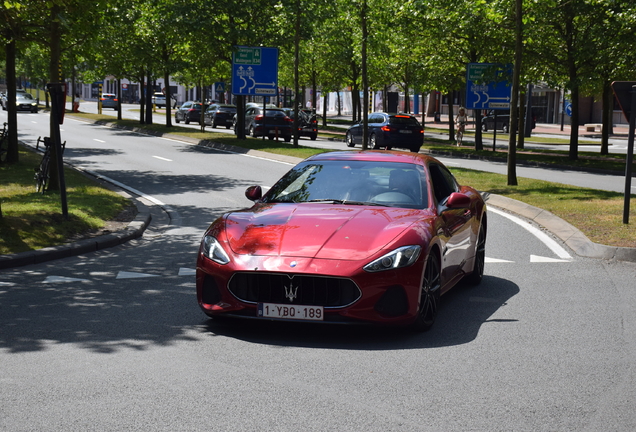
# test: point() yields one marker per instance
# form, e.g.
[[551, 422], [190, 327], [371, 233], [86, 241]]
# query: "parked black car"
[[389, 131], [220, 115], [271, 122], [503, 121], [188, 112]]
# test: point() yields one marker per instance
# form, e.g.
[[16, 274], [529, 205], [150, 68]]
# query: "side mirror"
[[253, 193], [457, 200]]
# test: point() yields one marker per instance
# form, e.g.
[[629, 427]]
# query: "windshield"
[[353, 182]]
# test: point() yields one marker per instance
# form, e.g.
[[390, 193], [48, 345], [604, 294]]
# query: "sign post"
[[625, 92]]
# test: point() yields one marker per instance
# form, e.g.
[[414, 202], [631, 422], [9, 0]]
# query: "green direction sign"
[[248, 56]]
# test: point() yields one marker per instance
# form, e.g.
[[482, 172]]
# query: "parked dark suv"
[[503, 121], [389, 131], [219, 115], [271, 122], [188, 112]]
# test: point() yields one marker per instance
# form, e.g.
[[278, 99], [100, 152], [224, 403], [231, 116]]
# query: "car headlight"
[[213, 250], [400, 257]]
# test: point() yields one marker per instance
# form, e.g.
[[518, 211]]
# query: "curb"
[[134, 230], [569, 234]]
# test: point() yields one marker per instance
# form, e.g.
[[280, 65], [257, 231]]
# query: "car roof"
[[374, 155]]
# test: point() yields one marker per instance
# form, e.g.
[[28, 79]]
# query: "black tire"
[[187, 120], [313, 137], [4, 149], [252, 131], [349, 140], [176, 119], [288, 139], [429, 301], [414, 150], [42, 177], [504, 128], [484, 127], [477, 274], [373, 142]]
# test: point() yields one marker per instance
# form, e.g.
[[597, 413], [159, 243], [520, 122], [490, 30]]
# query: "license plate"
[[290, 312], [406, 131]]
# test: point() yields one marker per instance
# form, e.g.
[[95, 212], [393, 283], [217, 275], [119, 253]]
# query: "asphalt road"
[[114, 340]]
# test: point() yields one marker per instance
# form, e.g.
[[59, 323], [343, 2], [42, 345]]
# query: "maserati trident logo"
[[291, 291]]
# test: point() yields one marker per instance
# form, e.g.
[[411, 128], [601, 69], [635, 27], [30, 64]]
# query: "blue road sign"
[[568, 109], [219, 87], [255, 71], [488, 85]]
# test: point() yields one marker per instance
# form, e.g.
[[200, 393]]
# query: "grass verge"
[[33, 220]]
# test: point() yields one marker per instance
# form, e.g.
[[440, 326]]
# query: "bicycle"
[[460, 132], [42, 171], [4, 144]]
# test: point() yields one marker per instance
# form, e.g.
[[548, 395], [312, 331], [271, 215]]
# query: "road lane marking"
[[540, 259], [58, 279], [543, 237], [98, 140], [496, 260], [133, 275], [163, 159]]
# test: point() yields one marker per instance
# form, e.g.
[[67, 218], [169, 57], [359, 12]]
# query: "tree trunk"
[[13, 154], [514, 103], [54, 77]]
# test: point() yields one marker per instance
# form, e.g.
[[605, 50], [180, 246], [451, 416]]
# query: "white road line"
[[98, 140], [543, 237], [162, 158]]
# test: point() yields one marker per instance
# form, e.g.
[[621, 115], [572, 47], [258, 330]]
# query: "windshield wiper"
[[348, 202]]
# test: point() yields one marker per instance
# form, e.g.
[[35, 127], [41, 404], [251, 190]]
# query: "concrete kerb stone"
[[133, 230], [570, 235]]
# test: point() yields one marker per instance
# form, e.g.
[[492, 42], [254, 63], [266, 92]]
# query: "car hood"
[[317, 230]]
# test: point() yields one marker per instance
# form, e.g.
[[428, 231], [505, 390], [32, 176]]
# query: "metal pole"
[[630, 157]]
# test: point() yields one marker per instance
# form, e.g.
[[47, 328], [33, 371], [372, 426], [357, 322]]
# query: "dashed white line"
[[98, 140], [162, 158]]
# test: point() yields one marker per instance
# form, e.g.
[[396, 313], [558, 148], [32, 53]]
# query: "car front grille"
[[294, 289]]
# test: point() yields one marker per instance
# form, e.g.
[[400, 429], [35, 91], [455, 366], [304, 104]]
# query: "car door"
[[184, 109], [250, 114], [454, 223]]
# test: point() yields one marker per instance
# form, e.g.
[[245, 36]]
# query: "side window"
[[443, 181]]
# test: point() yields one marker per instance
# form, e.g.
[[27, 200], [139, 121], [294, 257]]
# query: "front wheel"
[[349, 140], [177, 119], [505, 128], [429, 297], [373, 142], [252, 131]]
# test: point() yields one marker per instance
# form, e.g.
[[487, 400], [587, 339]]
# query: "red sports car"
[[344, 237]]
